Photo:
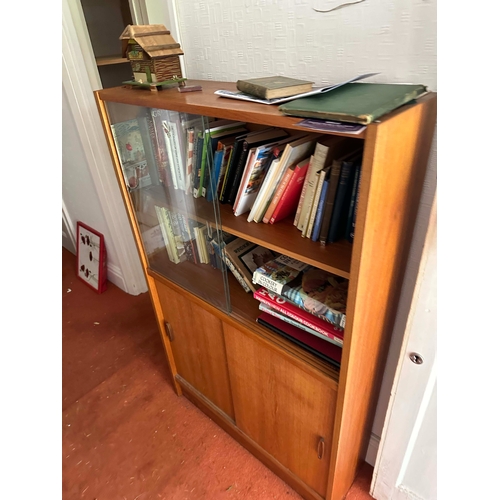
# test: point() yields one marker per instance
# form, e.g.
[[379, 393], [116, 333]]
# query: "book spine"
[[179, 161], [171, 160], [302, 194], [308, 193], [215, 177], [338, 206], [308, 201], [283, 317], [228, 152], [353, 224], [249, 88], [287, 311], [271, 285], [352, 204], [163, 163], [189, 160], [228, 180], [315, 203], [320, 212], [199, 171], [240, 166], [277, 195], [330, 199], [235, 272], [163, 229]]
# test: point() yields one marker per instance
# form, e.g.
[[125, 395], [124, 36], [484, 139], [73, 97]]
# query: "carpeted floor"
[[126, 435]]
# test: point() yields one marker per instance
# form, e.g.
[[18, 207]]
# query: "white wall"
[[233, 39], [90, 191]]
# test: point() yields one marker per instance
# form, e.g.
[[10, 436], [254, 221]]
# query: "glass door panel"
[[166, 161]]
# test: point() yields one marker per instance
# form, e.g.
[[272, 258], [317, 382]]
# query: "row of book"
[[266, 175]]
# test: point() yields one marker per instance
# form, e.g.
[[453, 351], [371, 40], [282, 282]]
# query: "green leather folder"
[[354, 102]]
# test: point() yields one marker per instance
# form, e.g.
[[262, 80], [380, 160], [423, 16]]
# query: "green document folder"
[[354, 102]]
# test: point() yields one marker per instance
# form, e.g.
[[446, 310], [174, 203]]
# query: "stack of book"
[[303, 296]]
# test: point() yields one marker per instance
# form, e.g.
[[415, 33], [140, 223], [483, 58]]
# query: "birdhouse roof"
[[154, 39]]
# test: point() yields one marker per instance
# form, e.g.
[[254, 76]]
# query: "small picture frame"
[[91, 257]]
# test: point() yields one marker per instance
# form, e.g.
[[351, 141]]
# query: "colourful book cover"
[[290, 198], [247, 257], [322, 294], [316, 291], [333, 333]]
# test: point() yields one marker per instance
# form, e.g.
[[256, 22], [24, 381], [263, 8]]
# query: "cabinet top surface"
[[207, 103]]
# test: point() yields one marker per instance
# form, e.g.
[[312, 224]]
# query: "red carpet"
[[126, 435]]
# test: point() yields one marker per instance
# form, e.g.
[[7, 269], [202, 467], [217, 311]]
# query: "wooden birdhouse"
[[152, 52]]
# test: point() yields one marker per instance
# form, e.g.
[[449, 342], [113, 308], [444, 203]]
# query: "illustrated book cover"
[[316, 291], [247, 257]]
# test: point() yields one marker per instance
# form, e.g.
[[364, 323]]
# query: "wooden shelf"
[[282, 237], [108, 60]]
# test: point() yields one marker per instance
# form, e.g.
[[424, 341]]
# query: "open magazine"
[[279, 100]]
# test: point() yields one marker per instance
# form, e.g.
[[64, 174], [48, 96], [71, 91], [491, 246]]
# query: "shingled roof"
[[154, 39]]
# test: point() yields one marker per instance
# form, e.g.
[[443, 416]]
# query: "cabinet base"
[[229, 426]]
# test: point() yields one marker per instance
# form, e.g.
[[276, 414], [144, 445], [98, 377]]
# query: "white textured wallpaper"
[[233, 39]]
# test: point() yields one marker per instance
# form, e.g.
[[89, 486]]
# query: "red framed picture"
[[91, 257]]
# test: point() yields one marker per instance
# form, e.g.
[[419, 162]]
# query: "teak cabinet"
[[304, 418]]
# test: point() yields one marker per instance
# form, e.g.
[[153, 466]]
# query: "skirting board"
[[371, 452]]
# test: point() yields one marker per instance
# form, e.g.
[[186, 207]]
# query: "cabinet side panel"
[[286, 411], [198, 347], [394, 165]]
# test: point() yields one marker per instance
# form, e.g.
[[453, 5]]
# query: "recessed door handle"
[[321, 448], [168, 329]]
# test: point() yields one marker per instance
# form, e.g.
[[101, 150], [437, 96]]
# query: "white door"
[[406, 465]]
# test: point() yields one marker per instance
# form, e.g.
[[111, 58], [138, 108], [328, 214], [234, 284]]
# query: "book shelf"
[[305, 419]]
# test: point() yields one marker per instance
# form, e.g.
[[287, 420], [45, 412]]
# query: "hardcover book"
[[320, 212], [322, 175], [342, 200], [349, 232], [323, 349], [354, 102], [247, 257], [272, 300], [271, 87], [288, 201]]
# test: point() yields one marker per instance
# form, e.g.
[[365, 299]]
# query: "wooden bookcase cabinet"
[[307, 421]]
